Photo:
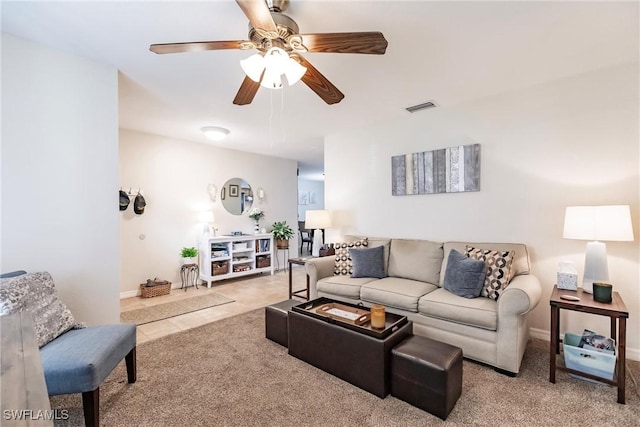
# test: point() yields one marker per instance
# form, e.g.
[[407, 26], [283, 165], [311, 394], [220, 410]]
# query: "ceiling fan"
[[274, 34]]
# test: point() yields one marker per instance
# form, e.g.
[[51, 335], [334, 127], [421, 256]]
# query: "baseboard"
[[136, 293], [541, 334]]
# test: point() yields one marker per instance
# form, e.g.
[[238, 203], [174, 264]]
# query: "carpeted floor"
[[140, 316], [227, 374]]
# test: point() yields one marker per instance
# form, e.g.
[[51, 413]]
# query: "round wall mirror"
[[236, 196]]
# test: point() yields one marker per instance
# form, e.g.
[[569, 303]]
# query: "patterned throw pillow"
[[36, 293], [344, 265], [498, 269]]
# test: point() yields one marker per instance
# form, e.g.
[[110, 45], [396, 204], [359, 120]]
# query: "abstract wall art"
[[448, 170]]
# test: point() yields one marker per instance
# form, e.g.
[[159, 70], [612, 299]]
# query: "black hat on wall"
[[124, 200], [138, 204]]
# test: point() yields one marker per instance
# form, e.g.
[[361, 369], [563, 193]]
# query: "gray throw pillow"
[[464, 276], [368, 262], [36, 294]]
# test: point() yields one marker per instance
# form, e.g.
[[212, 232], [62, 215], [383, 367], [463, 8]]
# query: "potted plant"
[[282, 233], [189, 255]]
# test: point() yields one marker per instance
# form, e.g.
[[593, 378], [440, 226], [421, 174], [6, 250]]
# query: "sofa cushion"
[[373, 242], [521, 264], [415, 259], [344, 286], [344, 266], [36, 293], [464, 276], [498, 273], [395, 292], [442, 304], [368, 262]]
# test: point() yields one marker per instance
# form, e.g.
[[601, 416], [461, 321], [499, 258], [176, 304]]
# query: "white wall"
[[573, 141], [174, 175], [308, 186], [60, 173]]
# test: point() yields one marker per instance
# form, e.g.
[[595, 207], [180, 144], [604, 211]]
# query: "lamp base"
[[595, 265], [317, 242]]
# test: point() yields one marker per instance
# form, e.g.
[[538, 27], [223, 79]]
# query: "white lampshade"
[[316, 219], [611, 223], [215, 133]]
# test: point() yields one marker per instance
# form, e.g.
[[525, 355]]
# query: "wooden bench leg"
[[130, 360], [91, 407]]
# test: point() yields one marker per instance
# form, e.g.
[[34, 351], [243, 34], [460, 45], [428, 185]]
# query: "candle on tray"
[[377, 316]]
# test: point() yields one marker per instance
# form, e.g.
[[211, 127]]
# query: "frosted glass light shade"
[[253, 67], [215, 133], [268, 69], [294, 71]]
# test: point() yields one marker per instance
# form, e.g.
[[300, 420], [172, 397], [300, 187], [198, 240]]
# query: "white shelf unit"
[[226, 257]]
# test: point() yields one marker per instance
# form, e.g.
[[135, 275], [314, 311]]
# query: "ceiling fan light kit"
[[276, 36], [274, 64], [215, 133]]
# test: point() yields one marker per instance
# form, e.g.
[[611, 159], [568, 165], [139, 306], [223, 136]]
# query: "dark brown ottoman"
[[276, 321], [427, 374]]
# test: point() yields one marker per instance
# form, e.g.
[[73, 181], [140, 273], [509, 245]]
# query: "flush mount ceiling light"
[[274, 64], [215, 133]]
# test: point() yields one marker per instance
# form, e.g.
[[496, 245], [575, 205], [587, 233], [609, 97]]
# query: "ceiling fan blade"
[[319, 83], [247, 92], [260, 17], [199, 46], [372, 42]]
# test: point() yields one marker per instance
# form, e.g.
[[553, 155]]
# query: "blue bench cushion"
[[80, 359]]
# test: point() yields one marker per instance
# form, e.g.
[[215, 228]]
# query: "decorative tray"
[[344, 313], [322, 307]]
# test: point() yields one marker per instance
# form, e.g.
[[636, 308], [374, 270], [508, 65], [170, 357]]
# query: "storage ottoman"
[[276, 321], [427, 374]]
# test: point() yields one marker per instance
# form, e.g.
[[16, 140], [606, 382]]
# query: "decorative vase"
[[256, 227]]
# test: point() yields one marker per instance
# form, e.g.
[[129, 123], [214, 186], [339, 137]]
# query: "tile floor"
[[249, 293]]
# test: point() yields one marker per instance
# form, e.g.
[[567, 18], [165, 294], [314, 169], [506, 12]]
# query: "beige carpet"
[[140, 316], [227, 374]]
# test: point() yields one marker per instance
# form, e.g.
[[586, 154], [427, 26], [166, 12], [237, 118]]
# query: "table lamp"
[[206, 217], [317, 220], [595, 223]]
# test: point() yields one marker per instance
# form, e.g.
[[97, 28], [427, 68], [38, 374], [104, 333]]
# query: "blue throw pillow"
[[368, 262], [464, 276]]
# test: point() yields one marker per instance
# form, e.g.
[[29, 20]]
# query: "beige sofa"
[[488, 331]]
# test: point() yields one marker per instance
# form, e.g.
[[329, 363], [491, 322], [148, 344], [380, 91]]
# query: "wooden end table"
[[299, 261], [616, 309]]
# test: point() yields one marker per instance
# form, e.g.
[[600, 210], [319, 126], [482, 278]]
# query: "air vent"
[[428, 104]]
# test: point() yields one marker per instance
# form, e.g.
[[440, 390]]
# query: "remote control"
[[569, 298]]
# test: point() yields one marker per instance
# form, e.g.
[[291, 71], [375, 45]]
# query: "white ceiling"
[[447, 51]]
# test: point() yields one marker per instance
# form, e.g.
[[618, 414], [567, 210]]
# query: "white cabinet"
[[226, 257]]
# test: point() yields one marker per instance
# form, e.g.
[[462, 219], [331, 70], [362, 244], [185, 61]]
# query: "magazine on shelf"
[[592, 341]]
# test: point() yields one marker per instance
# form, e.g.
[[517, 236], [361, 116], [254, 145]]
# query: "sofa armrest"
[[316, 269], [521, 296]]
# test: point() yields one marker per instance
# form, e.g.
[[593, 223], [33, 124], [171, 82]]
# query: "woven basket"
[[263, 262], [219, 267], [154, 291]]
